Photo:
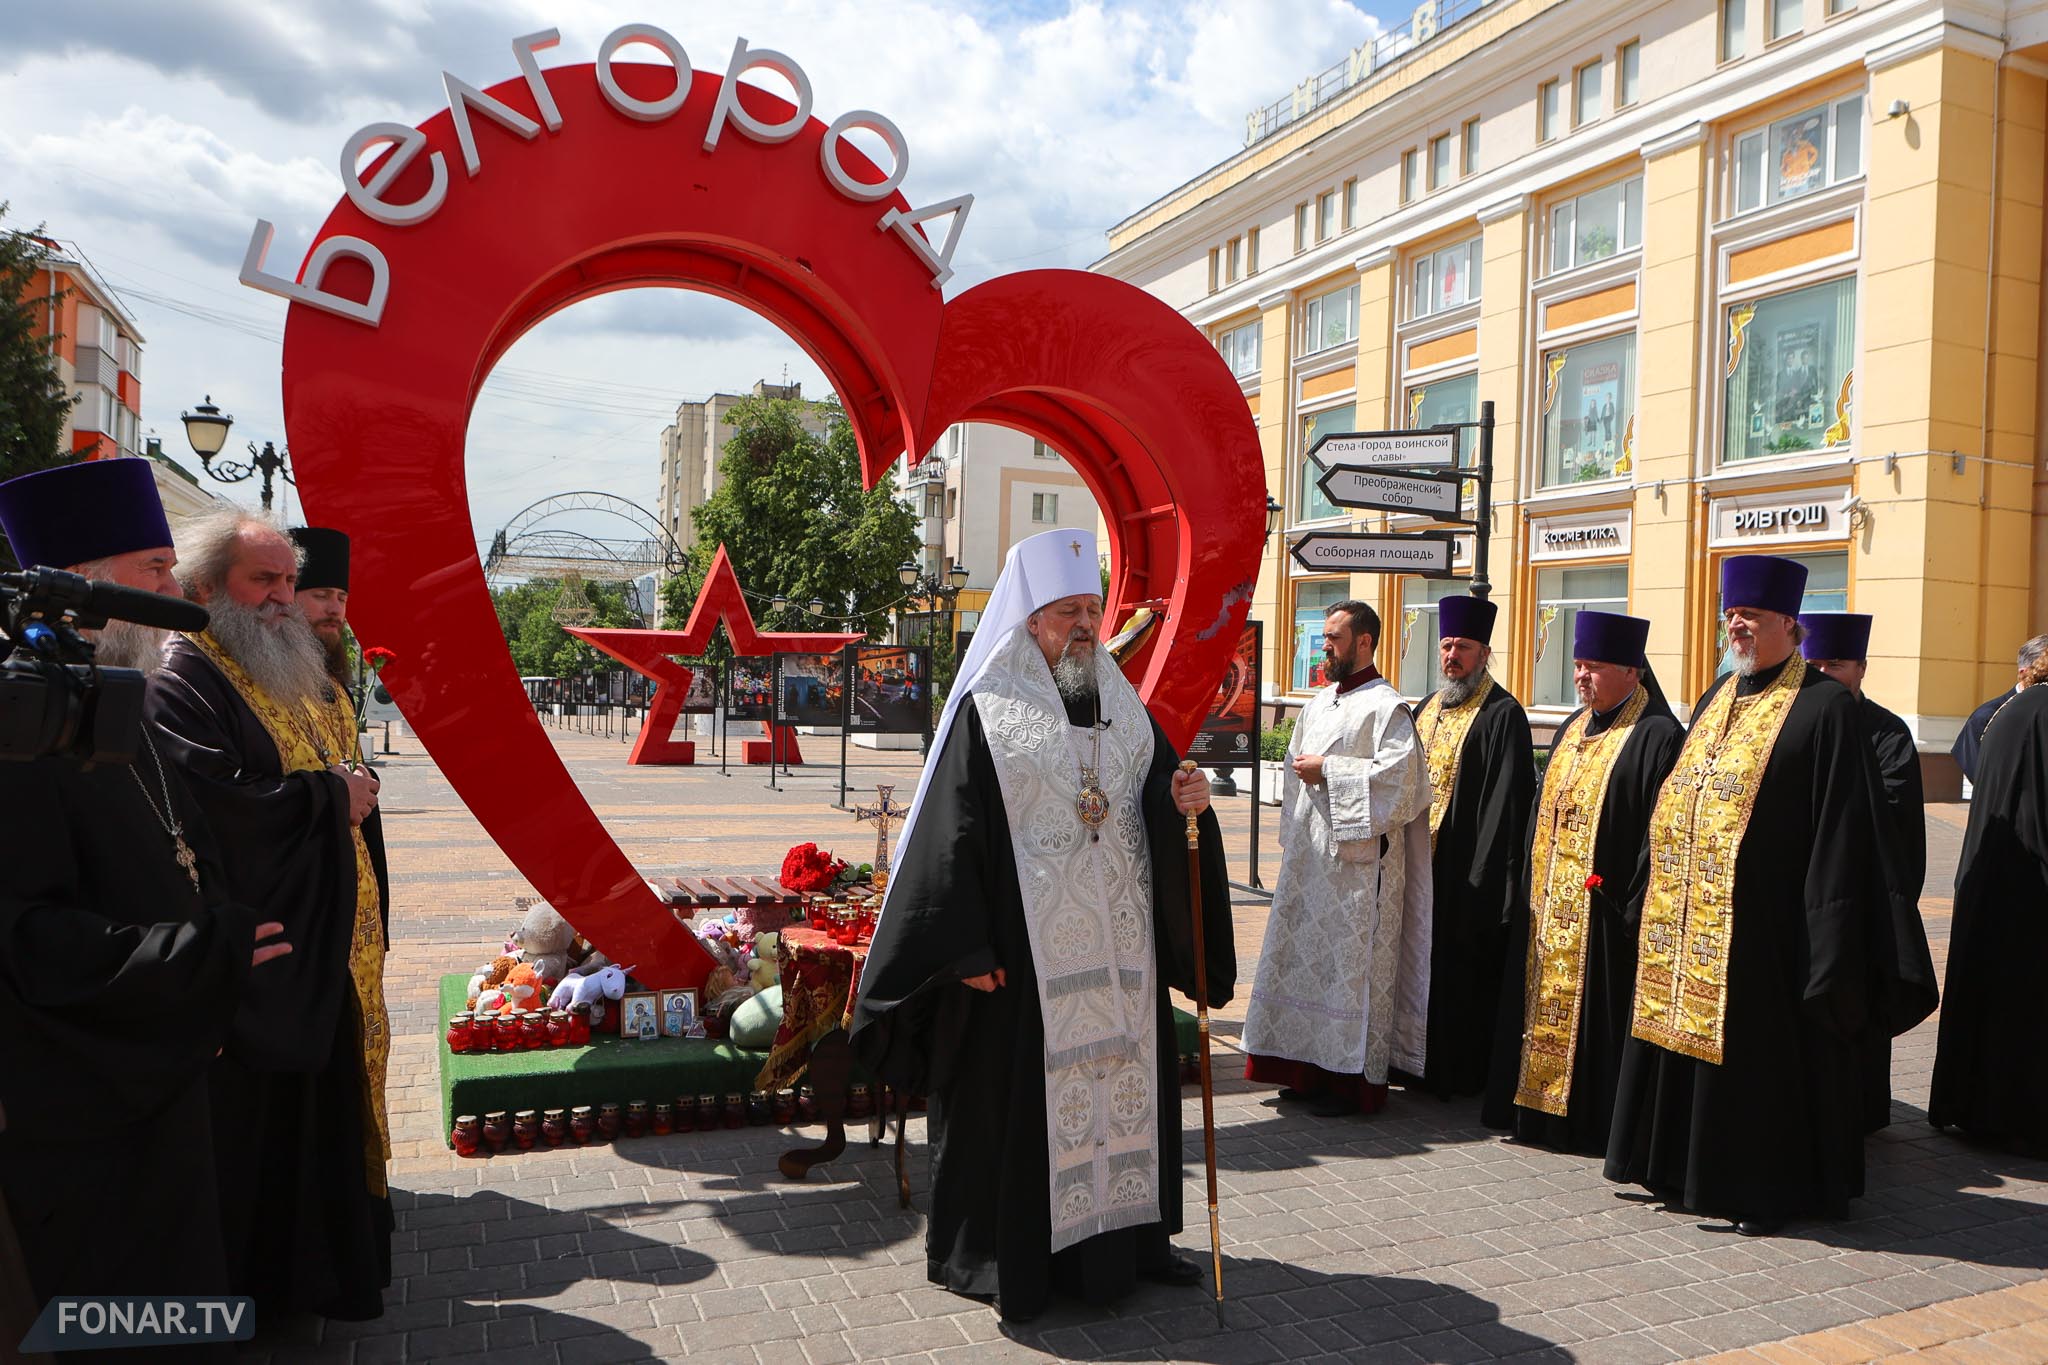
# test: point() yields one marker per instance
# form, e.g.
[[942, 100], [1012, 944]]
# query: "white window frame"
[[1580, 116], [1422, 298], [1328, 223], [1235, 343], [1440, 151], [1549, 105], [1411, 175], [1468, 147], [1045, 508], [1835, 116], [1628, 74], [1312, 310], [1622, 247], [1731, 36], [1777, 34]]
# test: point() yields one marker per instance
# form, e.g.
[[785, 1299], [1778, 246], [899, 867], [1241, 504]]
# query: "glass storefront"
[[1455, 399], [1589, 404], [1790, 372], [1313, 598], [1310, 504], [1417, 632], [1561, 594], [1827, 589]]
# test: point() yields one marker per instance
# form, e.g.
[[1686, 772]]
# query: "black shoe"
[[1017, 1316], [1177, 1270], [1334, 1106], [1757, 1227], [1289, 1095]]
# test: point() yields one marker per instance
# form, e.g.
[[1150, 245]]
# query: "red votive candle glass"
[[461, 1033]]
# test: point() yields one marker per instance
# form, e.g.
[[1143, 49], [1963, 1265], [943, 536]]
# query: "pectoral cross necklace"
[[167, 816], [1092, 804]]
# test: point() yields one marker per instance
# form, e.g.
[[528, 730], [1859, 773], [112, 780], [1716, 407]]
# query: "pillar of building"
[[1271, 410], [1503, 328]]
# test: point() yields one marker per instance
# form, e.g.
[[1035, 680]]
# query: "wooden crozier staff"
[[1202, 1031]]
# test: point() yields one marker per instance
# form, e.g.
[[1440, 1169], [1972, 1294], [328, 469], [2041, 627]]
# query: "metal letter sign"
[[1426, 553], [1425, 448], [1435, 494]]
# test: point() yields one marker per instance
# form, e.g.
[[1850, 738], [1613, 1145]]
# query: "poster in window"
[[702, 698], [1796, 148], [1229, 737], [750, 688], [1589, 438], [891, 689], [1795, 381], [809, 689]]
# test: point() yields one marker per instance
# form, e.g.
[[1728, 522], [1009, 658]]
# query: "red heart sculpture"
[[377, 417]]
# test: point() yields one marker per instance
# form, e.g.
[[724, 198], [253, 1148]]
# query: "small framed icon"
[[640, 1015], [678, 1013]]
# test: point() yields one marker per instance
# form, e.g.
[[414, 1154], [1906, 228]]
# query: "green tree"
[[539, 645], [790, 510], [33, 399]]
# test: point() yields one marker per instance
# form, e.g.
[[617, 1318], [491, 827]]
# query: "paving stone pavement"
[[1413, 1236]]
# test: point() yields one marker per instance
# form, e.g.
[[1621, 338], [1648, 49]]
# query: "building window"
[[1417, 632], [1233, 252], [1835, 7], [952, 503], [1561, 594], [1330, 320], [1628, 73], [1734, 29], [1596, 225], [1445, 279], [1787, 18], [1546, 111], [1444, 402], [1041, 451], [1310, 504], [1326, 216], [1251, 251], [1586, 94], [1045, 507], [1350, 205], [1799, 155], [1313, 599], [1215, 256], [1469, 147], [1790, 368], [1589, 405], [1240, 348], [1439, 161], [1301, 228], [1411, 176]]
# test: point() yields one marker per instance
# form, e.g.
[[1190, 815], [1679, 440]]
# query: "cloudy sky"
[[153, 135]]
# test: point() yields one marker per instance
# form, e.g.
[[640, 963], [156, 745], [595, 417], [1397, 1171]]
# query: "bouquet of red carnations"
[[809, 868]]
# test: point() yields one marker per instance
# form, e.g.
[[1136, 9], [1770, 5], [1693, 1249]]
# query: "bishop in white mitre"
[[1342, 989]]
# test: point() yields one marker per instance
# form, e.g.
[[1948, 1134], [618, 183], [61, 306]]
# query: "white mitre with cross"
[[1039, 569]]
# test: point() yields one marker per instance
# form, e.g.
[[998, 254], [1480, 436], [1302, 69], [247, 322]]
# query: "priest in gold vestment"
[[1571, 971], [300, 1133], [1770, 938]]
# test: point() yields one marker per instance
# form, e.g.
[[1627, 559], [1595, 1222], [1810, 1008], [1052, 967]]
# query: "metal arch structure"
[[525, 547]]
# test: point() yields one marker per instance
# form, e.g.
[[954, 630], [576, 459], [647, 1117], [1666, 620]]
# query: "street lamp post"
[[206, 428], [937, 592], [1224, 783]]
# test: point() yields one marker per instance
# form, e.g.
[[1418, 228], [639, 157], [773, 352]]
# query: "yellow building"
[[1736, 275]]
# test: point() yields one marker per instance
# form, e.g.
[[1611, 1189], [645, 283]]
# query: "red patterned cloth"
[[820, 982]]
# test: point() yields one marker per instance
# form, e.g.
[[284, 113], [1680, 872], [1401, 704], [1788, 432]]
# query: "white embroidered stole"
[[1088, 913]]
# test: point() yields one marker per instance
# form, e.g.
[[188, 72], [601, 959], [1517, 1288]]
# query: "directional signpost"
[[1403, 471]]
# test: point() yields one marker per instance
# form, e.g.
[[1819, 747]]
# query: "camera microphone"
[[55, 592]]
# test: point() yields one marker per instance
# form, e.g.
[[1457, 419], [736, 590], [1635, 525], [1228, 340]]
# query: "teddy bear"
[[544, 940], [763, 970]]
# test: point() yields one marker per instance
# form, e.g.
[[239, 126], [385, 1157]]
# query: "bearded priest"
[[299, 1116], [1343, 984], [1482, 782], [1038, 913], [1771, 937], [1571, 971]]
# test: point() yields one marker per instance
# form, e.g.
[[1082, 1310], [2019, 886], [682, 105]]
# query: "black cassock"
[[1621, 859], [117, 982], [1820, 946], [1477, 876], [1990, 1069], [1965, 749], [955, 912], [304, 1232], [1898, 771]]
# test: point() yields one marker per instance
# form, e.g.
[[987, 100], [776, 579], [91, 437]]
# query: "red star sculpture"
[[650, 652]]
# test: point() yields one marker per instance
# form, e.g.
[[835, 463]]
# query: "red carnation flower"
[[1594, 881], [807, 868], [376, 656]]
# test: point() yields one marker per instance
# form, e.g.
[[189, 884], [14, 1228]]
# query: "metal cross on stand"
[[879, 815]]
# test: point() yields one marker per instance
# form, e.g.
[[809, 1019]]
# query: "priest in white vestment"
[[1342, 988], [1038, 912]]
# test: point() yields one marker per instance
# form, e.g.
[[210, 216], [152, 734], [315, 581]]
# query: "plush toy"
[[489, 979], [544, 940], [756, 1019], [765, 970], [594, 988]]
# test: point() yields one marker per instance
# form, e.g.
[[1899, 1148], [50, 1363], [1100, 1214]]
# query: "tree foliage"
[[539, 645], [790, 510], [33, 398]]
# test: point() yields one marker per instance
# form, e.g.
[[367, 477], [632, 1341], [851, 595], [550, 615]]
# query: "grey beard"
[[125, 644], [1074, 677], [1745, 665], [283, 658], [1458, 691]]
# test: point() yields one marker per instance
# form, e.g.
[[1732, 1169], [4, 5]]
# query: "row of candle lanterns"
[[846, 918], [519, 1030], [522, 1131]]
